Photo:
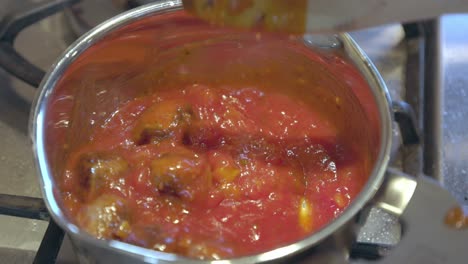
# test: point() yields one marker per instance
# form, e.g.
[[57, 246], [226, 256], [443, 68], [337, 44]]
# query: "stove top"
[[411, 59]]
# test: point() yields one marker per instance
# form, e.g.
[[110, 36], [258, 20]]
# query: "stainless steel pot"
[[394, 196]]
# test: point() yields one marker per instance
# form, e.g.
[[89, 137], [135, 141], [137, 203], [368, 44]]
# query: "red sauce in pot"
[[272, 144], [211, 173]]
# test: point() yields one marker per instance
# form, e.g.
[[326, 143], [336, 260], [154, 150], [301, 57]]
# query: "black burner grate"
[[21, 206]]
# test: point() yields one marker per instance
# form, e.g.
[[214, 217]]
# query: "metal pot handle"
[[422, 204], [406, 119], [11, 26]]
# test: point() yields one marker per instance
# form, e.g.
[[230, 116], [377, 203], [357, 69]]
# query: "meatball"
[[105, 217], [161, 121], [97, 170], [180, 173]]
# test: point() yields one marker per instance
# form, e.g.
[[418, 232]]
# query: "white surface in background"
[[455, 127]]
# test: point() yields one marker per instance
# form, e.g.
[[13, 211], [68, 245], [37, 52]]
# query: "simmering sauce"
[[211, 173], [180, 137]]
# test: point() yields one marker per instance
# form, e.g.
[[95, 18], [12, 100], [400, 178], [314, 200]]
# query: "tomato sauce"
[[210, 143], [211, 172]]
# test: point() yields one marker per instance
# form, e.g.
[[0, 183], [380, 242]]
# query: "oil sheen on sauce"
[[211, 173], [157, 148]]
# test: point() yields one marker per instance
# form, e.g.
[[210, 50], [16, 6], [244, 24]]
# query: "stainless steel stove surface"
[[44, 41]]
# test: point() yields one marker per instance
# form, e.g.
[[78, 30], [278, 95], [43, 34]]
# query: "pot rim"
[[37, 126]]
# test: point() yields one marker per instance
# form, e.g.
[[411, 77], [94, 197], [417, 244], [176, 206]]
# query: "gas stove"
[[422, 64]]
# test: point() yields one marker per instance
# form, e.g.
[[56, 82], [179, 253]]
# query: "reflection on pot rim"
[[37, 130]]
